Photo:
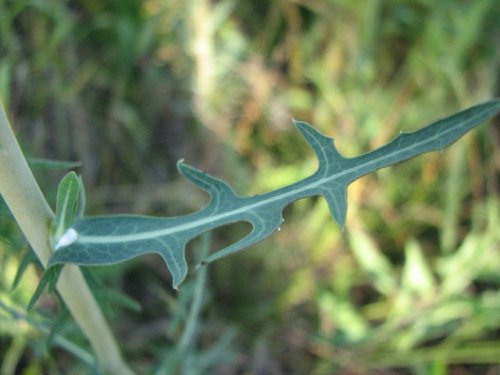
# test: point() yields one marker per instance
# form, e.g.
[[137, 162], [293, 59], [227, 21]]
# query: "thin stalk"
[[33, 215], [189, 335], [175, 362], [58, 340]]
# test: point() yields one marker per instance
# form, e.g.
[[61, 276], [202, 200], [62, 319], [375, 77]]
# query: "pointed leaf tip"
[[194, 175], [303, 126], [330, 160], [219, 190], [337, 203]]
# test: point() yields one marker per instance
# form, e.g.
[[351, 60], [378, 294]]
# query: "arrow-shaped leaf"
[[112, 239]]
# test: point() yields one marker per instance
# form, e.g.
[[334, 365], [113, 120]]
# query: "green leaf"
[[67, 205], [417, 274], [112, 239], [373, 261], [345, 315], [29, 258], [49, 280]]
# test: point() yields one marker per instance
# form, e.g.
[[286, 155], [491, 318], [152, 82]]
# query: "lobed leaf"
[[112, 239]]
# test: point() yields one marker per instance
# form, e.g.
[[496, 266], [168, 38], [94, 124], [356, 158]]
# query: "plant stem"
[[33, 215], [189, 335], [59, 340]]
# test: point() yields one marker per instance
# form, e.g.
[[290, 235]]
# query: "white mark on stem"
[[67, 238]]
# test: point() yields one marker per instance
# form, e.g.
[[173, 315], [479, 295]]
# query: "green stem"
[[58, 340], [189, 335], [33, 215]]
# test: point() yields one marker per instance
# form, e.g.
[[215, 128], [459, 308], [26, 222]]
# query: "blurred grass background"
[[128, 87]]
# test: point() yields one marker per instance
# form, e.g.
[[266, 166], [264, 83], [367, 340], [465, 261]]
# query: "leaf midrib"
[[276, 196]]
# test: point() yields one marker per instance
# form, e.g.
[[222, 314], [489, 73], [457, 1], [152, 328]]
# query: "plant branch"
[[33, 215]]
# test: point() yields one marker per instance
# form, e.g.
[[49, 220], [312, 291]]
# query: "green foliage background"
[[129, 87]]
